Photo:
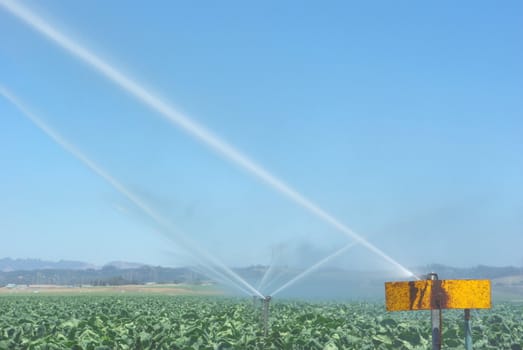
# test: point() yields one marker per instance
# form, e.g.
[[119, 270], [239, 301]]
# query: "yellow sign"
[[437, 294]]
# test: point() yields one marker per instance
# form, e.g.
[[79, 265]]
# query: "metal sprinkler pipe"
[[266, 302], [435, 315], [468, 330]]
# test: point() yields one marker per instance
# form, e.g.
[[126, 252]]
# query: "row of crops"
[[181, 322]]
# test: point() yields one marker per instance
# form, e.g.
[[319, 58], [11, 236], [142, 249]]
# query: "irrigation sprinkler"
[[266, 302], [435, 295]]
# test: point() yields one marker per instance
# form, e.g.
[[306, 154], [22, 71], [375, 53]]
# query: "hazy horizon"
[[108, 262]]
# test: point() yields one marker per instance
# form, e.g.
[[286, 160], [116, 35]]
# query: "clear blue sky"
[[404, 120]]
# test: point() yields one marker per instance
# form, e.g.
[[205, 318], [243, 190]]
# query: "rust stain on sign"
[[437, 294]]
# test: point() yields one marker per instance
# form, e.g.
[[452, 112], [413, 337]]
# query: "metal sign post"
[[468, 330], [435, 315], [434, 294]]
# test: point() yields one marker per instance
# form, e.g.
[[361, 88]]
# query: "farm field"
[[166, 289], [158, 321]]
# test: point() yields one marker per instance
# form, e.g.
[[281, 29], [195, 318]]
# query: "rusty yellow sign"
[[437, 294]]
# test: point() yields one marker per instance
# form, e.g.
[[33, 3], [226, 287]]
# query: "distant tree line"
[[106, 276], [110, 275], [477, 272]]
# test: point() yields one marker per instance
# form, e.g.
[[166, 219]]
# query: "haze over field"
[[408, 132]]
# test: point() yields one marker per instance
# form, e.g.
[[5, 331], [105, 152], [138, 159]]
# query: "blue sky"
[[403, 120]]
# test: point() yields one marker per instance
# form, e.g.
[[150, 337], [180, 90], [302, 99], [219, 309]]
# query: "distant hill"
[[476, 272], [124, 265], [8, 264], [108, 275], [330, 282]]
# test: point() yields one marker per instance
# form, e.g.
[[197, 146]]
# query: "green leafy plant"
[[179, 322]]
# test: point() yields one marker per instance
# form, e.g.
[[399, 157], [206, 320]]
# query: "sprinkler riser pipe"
[[266, 302], [436, 321]]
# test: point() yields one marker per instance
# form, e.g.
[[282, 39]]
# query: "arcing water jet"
[[199, 132], [314, 267], [204, 257]]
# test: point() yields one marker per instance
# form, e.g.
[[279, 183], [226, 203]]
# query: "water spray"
[[263, 280], [219, 277], [435, 295], [314, 267], [278, 277], [182, 121], [268, 272], [205, 258]]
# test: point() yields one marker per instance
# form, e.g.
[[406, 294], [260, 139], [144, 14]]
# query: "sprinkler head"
[[267, 298], [432, 276]]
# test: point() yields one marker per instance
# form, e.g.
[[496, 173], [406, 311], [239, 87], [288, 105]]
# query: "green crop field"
[[183, 322]]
